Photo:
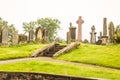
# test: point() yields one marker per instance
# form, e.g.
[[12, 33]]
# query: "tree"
[[29, 26], [50, 24]]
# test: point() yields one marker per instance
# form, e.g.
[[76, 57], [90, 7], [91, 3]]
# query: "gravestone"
[[68, 38], [99, 42], [118, 30], [93, 35], [72, 31], [111, 32], [15, 38], [45, 35], [79, 22], [104, 37], [31, 35], [39, 34], [4, 34]]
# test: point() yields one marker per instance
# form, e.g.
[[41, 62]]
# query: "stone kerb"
[[43, 50], [67, 48]]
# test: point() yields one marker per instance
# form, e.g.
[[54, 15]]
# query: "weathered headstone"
[[111, 32], [31, 35], [39, 34], [68, 38], [4, 35], [118, 30], [104, 37], [15, 38], [93, 35], [80, 22], [72, 31], [45, 35]]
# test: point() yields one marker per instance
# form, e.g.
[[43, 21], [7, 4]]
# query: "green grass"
[[95, 54], [19, 51], [61, 68]]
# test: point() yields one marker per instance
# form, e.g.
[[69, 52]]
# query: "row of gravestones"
[[102, 39], [105, 38], [71, 34], [40, 35]]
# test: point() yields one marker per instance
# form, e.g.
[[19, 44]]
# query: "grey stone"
[[4, 34], [111, 32], [93, 35], [15, 38]]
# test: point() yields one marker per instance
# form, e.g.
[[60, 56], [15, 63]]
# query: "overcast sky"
[[92, 11]]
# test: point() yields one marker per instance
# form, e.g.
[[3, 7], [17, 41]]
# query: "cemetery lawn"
[[19, 51], [108, 56], [61, 68]]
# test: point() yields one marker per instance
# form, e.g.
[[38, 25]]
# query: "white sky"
[[92, 11]]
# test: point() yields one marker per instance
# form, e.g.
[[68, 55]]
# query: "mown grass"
[[19, 51], [61, 68], [95, 54]]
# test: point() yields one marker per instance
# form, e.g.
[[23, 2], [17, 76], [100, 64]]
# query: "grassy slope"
[[61, 68], [19, 51], [93, 54]]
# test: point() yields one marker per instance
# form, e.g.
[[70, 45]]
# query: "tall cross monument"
[[79, 22]]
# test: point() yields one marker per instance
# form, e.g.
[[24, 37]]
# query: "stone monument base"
[[104, 40]]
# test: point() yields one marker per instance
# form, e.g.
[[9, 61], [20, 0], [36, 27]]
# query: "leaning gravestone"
[[45, 35], [4, 34], [93, 35], [15, 38], [111, 32]]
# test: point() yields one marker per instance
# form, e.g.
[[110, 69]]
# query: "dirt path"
[[53, 60]]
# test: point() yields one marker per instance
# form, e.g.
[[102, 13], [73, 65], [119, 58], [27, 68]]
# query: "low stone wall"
[[37, 76]]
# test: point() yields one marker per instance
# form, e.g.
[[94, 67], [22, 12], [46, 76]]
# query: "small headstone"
[[72, 31], [39, 34], [45, 35], [31, 35], [4, 35], [22, 39], [15, 38], [85, 41], [111, 32], [68, 38], [99, 42], [79, 22], [93, 35]]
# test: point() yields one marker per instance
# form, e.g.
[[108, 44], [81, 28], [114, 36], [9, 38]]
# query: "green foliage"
[[62, 68], [19, 51], [108, 56], [50, 24], [29, 26], [118, 38]]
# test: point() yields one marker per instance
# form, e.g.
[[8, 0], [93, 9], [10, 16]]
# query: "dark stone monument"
[[45, 35], [93, 35], [79, 22], [99, 42], [72, 31]]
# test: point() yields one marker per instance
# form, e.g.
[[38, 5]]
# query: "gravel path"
[[53, 60]]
